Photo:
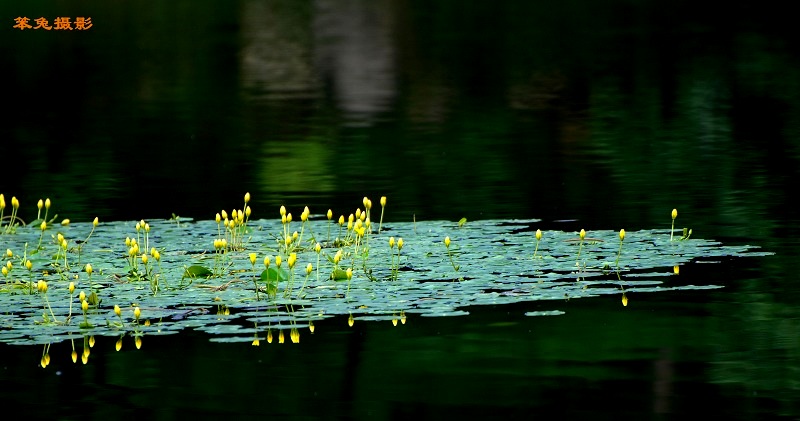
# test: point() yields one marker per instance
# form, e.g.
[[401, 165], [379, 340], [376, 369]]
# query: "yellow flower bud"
[[217, 218], [2, 202], [278, 261], [341, 220], [96, 221], [283, 210], [82, 296], [43, 226], [85, 358], [383, 200], [309, 268], [280, 337], [71, 287], [14, 202], [246, 197], [349, 273], [118, 345], [369, 204], [65, 222], [144, 258], [256, 342], [350, 320], [9, 253], [269, 336], [138, 227], [91, 341], [138, 342], [4, 270], [329, 214], [223, 243], [288, 240], [47, 203], [146, 227], [400, 244], [9, 265], [349, 225], [117, 310], [317, 247], [358, 213], [74, 356], [253, 258], [391, 242], [127, 241], [224, 214], [84, 305], [292, 260], [147, 322], [676, 269], [538, 234], [311, 326], [447, 242], [294, 235], [247, 211], [28, 264], [674, 213], [88, 268], [304, 216], [350, 218], [621, 235], [266, 261], [624, 300], [364, 201], [137, 312], [288, 217], [240, 215], [582, 234], [39, 204]]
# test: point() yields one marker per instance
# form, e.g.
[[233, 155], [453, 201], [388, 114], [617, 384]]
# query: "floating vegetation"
[[162, 277]]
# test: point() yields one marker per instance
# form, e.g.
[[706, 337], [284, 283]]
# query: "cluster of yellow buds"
[[220, 243]]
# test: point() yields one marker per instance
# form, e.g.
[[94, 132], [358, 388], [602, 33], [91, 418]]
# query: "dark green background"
[[608, 113]]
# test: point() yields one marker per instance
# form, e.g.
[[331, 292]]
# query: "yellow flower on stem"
[[674, 215]]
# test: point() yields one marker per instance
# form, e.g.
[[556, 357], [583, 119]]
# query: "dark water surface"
[[607, 113]]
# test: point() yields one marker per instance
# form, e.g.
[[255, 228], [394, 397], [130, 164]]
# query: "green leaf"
[[273, 275], [462, 222], [339, 275], [197, 271]]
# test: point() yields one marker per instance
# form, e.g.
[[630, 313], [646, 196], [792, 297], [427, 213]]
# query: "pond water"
[[578, 115]]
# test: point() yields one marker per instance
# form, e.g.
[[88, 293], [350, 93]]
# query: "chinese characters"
[[59, 24]]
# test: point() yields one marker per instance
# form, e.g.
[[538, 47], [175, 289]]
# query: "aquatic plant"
[[450, 253], [221, 277]]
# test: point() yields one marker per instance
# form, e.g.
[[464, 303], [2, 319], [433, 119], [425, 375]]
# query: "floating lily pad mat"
[[193, 285]]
